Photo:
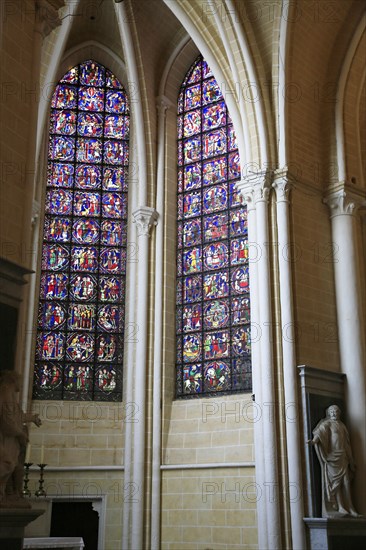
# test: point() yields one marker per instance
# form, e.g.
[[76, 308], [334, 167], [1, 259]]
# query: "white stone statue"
[[13, 441], [332, 445]]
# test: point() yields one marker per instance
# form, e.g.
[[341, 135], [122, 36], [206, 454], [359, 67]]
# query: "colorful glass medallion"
[[214, 171], [84, 258], [216, 314], [240, 311], [116, 126], [214, 143], [88, 176], [216, 344], [63, 122], [192, 317], [191, 204], [71, 77], [192, 379], [234, 165], [232, 142], [85, 231], [109, 289], [58, 202], [62, 148], [192, 176], [81, 317], [192, 97], [215, 255], [215, 227], [54, 286], [241, 340], [236, 198], [112, 233], [192, 123], [214, 116], [114, 179], [77, 378], [91, 99], [192, 150], [57, 229], [116, 102], [52, 345], [112, 81], [86, 204], [211, 91], [192, 289], [53, 316], [107, 347], [61, 175], [64, 97], [214, 198], [108, 318], [191, 348], [92, 74], [195, 75], [83, 287], [110, 260], [48, 376], [238, 251], [216, 285], [89, 150], [217, 376], [192, 232], [238, 222], [206, 71], [240, 279], [56, 257], [80, 347], [90, 124], [113, 205], [106, 379], [192, 261]]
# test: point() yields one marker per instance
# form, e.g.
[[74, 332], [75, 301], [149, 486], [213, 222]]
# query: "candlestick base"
[[40, 491]]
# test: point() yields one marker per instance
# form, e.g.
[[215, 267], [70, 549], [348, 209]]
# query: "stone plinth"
[[336, 534], [12, 524]]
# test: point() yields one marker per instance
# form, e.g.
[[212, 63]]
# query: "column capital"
[[47, 17], [344, 200], [36, 209], [283, 183], [163, 103], [144, 218], [255, 188]]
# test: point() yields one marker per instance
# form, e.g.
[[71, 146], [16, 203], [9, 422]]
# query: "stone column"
[[282, 186], [144, 218], [257, 186], [343, 204]]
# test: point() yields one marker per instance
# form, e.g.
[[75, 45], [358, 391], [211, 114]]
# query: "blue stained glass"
[[62, 148], [88, 176], [61, 175], [54, 286], [63, 122], [86, 231], [80, 347], [90, 124], [116, 102], [57, 229], [56, 257], [86, 204], [84, 258], [116, 126], [92, 74], [91, 99], [213, 310], [64, 97], [114, 152], [89, 150]]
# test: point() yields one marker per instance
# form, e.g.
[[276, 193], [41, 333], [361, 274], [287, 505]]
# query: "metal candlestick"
[[26, 491], [40, 491]]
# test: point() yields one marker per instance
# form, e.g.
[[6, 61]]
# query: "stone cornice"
[[145, 218], [47, 17]]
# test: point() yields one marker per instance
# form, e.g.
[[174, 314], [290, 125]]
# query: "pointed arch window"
[[79, 350], [213, 309]]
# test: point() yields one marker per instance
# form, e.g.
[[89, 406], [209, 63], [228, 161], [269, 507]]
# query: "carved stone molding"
[[283, 183], [36, 209], [255, 188], [163, 104], [344, 201], [47, 17], [144, 218]]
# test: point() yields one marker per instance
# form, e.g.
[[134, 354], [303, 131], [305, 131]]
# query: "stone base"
[[12, 524], [336, 534]]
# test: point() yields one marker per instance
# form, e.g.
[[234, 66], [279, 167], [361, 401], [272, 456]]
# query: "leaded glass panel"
[[213, 307]]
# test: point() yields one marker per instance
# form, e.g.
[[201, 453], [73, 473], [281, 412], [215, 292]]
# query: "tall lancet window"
[[213, 310], [79, 349]]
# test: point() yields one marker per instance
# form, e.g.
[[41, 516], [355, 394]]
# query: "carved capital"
[[47, 17], [283, 183], [36, 209], [255, 188], [163, 104], [344, 201], [144, 218]]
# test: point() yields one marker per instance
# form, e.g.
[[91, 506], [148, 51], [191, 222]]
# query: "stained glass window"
[[79, 346], [213, 308]]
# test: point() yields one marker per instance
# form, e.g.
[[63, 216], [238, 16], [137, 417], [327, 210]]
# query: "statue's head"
[[334, 412]]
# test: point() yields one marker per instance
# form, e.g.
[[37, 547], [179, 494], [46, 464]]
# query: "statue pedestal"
[[12, 525], [336, 534]]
